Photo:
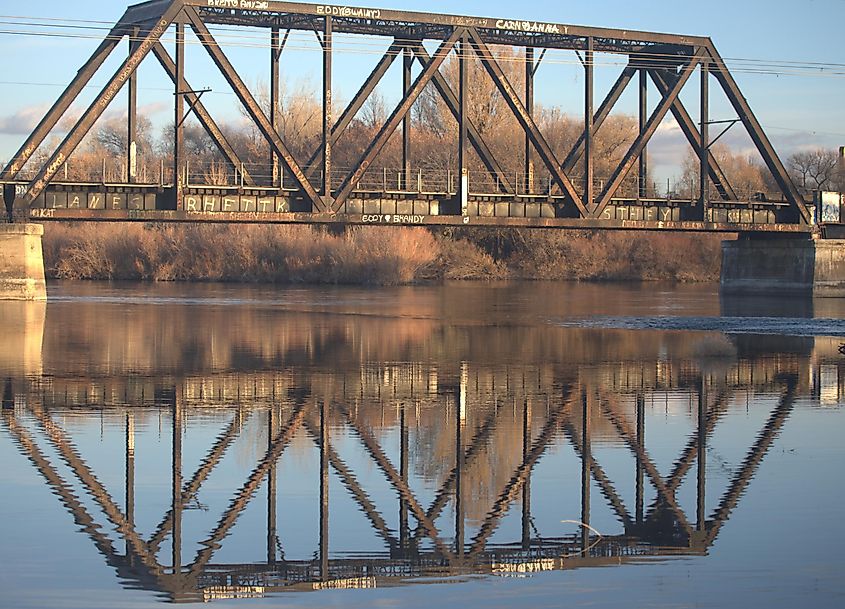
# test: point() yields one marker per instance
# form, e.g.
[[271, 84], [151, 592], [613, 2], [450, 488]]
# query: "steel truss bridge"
[[424, 544], [545, 192]]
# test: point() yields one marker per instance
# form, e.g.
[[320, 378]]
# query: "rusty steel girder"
[[668, 60]]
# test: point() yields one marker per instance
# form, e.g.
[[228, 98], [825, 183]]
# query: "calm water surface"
[[531, 445]]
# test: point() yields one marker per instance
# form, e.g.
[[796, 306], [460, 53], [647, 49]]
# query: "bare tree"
[[816, 169]]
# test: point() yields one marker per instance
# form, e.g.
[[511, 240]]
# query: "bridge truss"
[[312, 190]]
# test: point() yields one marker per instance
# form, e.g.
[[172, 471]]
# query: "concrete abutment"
[[761, 264], [21, 262]]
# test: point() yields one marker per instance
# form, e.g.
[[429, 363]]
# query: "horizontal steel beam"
[[509, 30], [124, 215]]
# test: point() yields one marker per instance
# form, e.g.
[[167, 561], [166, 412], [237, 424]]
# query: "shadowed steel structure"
[[421, 551], [546, 191]]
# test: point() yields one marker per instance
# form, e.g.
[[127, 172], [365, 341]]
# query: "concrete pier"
[[772, 265], [21, 262]]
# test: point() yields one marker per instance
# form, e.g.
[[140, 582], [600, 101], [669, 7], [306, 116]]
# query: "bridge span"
[[349, 177], [535, 183]]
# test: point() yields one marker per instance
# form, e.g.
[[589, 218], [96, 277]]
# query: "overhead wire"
[[302, 40], [240, 29]]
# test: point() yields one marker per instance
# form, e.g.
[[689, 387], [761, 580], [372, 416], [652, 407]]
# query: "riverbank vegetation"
[[370, 255]]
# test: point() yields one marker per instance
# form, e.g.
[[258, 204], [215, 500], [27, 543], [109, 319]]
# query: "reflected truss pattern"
[[425, 543]]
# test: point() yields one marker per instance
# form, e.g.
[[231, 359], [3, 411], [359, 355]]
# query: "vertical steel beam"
[[636, 148], [100, 103], [327, 111], [176, 485], [511, 97], [694, 137], [324, 492], [588, 124], [641, 450], [272, 424], [360, 97], [403, 473], [444, 88], [459, 461], [404, 106], [275, 54], [179, 117], [463, 97], [526, 488], [704, 150], [586, 459], [201, 113], [702, 453], [601, 115], [643, 168], [132, 116], [130, 474], [758, 136], [529, 107], [251, 106], [407, 62]]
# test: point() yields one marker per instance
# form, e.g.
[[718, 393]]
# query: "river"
[[476, 445]]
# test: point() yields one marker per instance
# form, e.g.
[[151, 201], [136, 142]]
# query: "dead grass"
[[368, 255], [251, 253], [617, 256]]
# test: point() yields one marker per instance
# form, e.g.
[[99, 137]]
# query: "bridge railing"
[[425, 180]]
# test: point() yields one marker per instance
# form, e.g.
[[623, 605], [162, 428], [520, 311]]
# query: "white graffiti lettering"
[[249, 5], [528, 26], [349, 11], [392, 219]]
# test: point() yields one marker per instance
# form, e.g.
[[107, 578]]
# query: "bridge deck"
[[112, 202]]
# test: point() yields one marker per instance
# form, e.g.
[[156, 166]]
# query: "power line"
[[348, 42]]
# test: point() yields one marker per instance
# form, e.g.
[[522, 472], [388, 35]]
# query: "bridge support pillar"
[[21, 262], [778, 264]]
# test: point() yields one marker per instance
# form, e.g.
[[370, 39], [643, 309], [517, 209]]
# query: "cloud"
[[23, 121]]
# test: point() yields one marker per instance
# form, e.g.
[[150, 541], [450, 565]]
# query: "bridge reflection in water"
[[466, 456]]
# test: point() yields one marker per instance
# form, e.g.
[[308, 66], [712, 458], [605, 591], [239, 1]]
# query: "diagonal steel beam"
[[252, 107], [358, 100], [528, 125], [517, 480], [59, 439], [101, 102], [354, 487], [82, 78], [475, 447], [62, 489], [395, 118], [758, 136], [601, 115], [693, 135], [599, 476], [686, 460], [475, 137], [192, 487], [639, 144], [625, 433], [752, 461], [247, 491], [202, 114], [397, 482]]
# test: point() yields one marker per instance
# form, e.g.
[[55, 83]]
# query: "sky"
[[799, 107]]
